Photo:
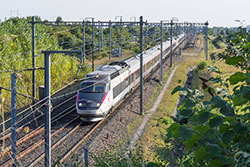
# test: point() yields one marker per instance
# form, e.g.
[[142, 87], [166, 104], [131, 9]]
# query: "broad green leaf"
[[237, 77], [203, 117], [218, 101], [228, 137], [174, 129], [215, 163], [190, 143], [240, 129], [234, 60], [201, 154], [227, 110], [213, 150], [201, 129], [188, 103], [193, 120], [184, 133], [215, 122], [223, 128], [186, 113], [174, 126], [239, 100]]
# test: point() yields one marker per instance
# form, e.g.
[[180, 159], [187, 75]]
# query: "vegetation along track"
[[67, 134], [95, 137]]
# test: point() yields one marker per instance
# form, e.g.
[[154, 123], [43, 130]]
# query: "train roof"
[[109, 71], [117, 67]]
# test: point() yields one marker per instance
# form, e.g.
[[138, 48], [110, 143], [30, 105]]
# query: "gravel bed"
[[67, 144], [114, 130], [27, 159]]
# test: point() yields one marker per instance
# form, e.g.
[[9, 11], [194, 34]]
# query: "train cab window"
[[99, 88], [92, 87]]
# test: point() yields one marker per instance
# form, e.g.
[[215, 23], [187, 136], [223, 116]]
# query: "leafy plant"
[[216, 132]]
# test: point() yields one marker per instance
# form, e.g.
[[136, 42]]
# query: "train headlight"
[[80, 104], [97, 104]]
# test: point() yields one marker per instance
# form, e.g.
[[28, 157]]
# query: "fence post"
[[161, 55], [2, 115], [109, 39], [13, 119], [171, 43], [141, 65], [47, 111], [180, 51], [86, 158], [93, 43], [146, 34], [121, 35], [33, 61], [83, 43], [99, 36], [206, 39]]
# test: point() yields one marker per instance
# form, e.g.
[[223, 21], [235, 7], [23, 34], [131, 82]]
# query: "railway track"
[[77, 150], [29, 122], [83, 138], [25, 142], [65, 140]]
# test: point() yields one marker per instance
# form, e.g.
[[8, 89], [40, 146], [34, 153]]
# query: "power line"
[[17, 71]]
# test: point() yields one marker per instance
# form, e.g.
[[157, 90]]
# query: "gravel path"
[[142, 126]]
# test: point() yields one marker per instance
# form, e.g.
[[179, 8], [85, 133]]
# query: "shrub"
[[202, 65]]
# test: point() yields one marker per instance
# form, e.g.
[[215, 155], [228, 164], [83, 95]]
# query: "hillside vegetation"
[[16, 48]]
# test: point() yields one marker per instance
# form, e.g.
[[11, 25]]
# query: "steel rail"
[[35, 145], [35, 132], [110, 114], [56, 144]]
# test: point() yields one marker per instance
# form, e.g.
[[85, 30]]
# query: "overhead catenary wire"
[[53, 121], [91, 51], [60, 96]]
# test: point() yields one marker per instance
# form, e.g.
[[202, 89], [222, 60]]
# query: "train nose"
[[90, 113]]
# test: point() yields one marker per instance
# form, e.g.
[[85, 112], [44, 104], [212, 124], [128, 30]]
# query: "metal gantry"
[[13, 119], [185, 27], [141, 65], [47, 93], [33, 60], [206, 39]]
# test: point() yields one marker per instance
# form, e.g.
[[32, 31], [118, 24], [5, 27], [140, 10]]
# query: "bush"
[[216, 132], [202, 65]]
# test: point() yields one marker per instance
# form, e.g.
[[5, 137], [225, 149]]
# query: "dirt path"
[[142, 126]]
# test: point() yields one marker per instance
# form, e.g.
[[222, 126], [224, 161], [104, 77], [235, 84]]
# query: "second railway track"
[[67, 134]]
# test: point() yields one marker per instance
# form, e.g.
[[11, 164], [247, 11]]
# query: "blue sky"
[[217, 12]]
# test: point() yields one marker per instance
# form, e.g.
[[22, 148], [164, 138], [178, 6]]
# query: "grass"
[[153, 140]]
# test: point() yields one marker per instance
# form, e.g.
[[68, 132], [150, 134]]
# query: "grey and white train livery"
[[104, 88]]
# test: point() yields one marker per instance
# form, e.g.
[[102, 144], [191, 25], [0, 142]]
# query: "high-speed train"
[[104, 88]]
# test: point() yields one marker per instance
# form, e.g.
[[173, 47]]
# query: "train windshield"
[[93, 87]]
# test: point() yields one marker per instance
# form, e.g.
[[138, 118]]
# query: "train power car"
[[104, 88]]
